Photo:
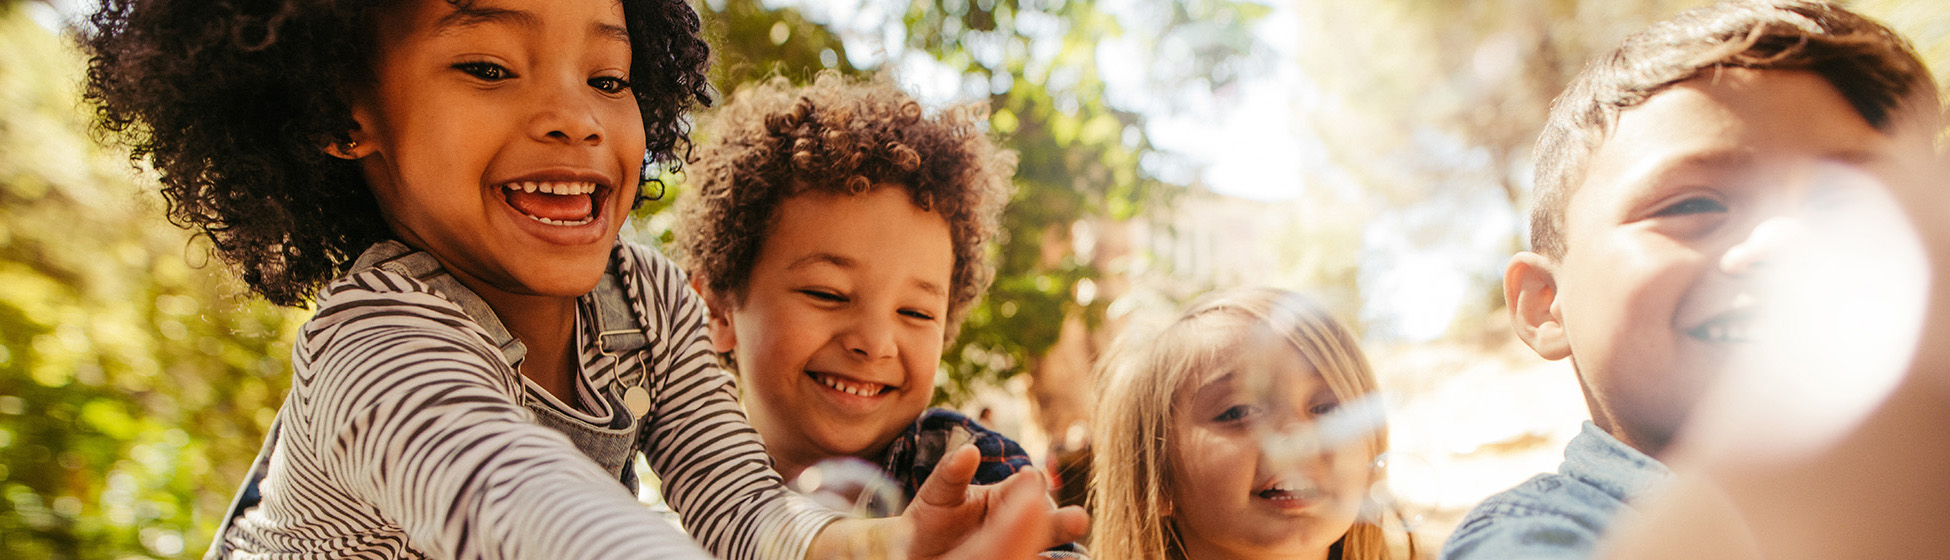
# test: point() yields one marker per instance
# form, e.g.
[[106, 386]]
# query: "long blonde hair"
[[1130, 486]]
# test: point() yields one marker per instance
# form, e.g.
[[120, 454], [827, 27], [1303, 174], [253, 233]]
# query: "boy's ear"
[[1530, 291], [724, 338]]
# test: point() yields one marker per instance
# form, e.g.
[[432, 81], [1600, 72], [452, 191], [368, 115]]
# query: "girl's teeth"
[[555, 188], [562, 222]]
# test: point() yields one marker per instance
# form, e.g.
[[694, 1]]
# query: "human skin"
[[1874, 487], [464, 114], [840, 327], [1694, 191], [1231, 499], [529, 92]]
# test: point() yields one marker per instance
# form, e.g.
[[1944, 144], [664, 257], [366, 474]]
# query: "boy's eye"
[[485, 70], [1696, 205], [610, 84], [824, 296], [918, 314], [1236, 413]]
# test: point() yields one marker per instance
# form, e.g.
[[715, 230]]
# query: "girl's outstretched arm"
[[404, 419]]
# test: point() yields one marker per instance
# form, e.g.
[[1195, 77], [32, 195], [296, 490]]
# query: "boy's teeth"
[[851, 388]]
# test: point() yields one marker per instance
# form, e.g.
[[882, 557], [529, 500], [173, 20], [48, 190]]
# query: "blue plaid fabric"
[[912, 456]]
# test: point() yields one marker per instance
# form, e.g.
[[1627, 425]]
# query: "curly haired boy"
[[839, 236]]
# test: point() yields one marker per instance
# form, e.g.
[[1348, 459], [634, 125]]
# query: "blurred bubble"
[[1287, 447], [1406, 490], [1841, 290], [852, 486]]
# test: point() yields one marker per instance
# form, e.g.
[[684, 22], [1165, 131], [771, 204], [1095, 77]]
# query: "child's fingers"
[[947, 487], [1018, 524], [1068, 524]]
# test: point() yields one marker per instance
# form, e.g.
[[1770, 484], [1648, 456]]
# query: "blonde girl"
[[1209, 439]]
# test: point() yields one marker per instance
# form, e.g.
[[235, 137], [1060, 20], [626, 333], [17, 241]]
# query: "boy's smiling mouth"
[[556, 203], [1739, 327], [849, 386]]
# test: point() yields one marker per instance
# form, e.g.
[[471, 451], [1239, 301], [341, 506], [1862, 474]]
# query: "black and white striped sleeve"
[[413, 411], [715, 471]]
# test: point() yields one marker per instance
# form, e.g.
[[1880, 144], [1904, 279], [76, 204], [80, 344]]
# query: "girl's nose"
[[565, 115], [1763, 244]]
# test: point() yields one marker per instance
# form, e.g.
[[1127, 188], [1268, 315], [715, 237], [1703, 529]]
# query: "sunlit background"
[[1373, 154]]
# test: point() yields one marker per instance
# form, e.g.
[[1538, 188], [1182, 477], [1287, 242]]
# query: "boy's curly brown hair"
[[773, 141], [233, 102], [1873, 67]]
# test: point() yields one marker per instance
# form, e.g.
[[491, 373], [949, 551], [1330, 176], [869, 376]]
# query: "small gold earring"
[[348, 146]]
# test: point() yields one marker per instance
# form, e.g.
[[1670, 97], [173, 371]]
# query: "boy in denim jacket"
[[1666, 176]]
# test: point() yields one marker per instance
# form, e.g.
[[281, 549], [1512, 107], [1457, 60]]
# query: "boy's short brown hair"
[[1873, 67], [839, 135]]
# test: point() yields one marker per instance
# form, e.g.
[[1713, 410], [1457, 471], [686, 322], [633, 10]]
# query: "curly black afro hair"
[[773, 141], [232, 102]]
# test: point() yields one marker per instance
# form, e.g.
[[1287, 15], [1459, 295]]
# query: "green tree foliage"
[[134, 387], [1432, 107], [1080, 155], [1037, 63]]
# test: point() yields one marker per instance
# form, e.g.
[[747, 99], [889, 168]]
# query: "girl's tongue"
[[565, 208]]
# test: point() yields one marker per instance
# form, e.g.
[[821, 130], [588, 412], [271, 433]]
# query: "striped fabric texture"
[[406, 436]]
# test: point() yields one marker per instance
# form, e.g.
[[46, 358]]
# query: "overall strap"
[[420, 265]]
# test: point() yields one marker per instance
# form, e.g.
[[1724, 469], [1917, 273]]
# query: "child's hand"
[[1014, 519]]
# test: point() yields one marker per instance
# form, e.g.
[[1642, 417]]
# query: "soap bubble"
[[852, 486]]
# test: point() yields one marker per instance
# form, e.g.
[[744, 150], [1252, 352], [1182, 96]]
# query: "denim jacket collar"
[[1602, 461]]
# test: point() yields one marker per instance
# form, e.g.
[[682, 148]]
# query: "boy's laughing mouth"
[[1738, 327], [557, 203], [848, 385]]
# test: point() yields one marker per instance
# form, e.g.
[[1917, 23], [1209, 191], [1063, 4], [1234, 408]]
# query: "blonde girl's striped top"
[[406, 435]]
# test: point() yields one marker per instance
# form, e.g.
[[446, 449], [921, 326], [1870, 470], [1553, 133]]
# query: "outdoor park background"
[[1373, 154]]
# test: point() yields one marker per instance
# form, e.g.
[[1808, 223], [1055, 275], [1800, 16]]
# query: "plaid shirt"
[[912, 456]]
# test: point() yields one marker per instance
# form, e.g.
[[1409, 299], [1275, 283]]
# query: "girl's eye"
[[824, 296], [1236, 413], [610, 84], [918, 314], [1324, 409], [485, 70], [1696, 205]]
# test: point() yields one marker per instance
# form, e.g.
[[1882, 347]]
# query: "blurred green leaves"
[[134, 388]]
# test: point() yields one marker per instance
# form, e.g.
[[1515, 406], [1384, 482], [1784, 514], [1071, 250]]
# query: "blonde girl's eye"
[[1236, 413], [1324, 409], [610, 84], [486, 71], [918, 314]]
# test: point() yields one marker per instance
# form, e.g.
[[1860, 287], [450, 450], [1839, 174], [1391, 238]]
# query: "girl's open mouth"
[[569, 203]]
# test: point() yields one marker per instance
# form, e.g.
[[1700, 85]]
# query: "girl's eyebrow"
[[468, 17]]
